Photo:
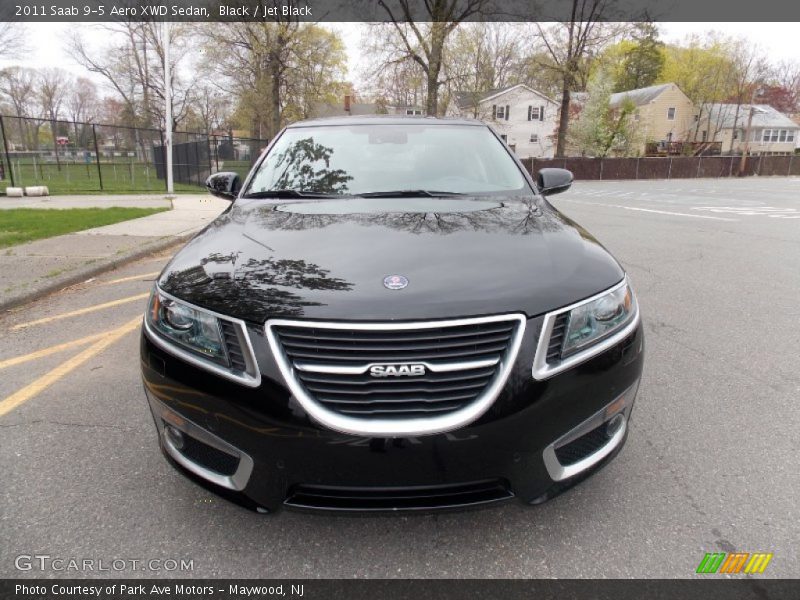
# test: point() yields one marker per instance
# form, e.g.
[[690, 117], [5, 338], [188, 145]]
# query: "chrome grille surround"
[[406, 426]]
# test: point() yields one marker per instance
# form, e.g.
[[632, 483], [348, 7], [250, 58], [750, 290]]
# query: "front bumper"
[[538, 438]]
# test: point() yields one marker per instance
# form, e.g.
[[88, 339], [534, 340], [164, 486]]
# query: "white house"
[[771, 131], [525, 118]]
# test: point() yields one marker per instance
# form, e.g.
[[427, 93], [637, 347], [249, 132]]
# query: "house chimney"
[[347, 103]]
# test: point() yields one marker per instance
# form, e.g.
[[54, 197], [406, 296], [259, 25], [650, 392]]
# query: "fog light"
[[174, 436], [614, 424]]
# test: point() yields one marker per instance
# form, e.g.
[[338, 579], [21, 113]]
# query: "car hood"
[[327, 259]]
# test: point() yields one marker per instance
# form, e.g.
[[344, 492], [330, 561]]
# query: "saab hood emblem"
[[398, 370], [395, 282]]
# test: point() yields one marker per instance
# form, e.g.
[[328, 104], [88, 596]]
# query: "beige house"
[[663, 113], [771, 131]]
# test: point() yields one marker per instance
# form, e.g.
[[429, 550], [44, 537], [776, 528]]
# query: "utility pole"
[[746, 147], [168, 99]]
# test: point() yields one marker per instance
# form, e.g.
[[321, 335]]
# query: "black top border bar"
[[337, 11]]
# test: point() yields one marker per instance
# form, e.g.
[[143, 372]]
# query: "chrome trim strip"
[[396, 427], [251, 378], [237, 481], [361, 369], [542, 369]]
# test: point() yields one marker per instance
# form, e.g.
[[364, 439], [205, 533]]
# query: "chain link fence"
[[77, 158]]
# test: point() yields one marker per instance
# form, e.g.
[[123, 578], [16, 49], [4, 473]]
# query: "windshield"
[[389, 159]]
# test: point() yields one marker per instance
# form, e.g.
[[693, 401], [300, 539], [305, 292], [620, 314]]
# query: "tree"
[[600, 128], [569, 46], [133, 65], [52, 88], [484, 56], [786, 76], [18, 89], [702, 68], [276, 69], [12, 40], [640, 59], [424, 42]]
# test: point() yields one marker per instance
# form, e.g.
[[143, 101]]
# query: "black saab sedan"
[[391, 316]]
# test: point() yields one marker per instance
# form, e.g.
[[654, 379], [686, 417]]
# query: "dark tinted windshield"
[[365, 159]]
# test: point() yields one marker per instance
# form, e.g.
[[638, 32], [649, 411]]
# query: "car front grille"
[[456, 363]]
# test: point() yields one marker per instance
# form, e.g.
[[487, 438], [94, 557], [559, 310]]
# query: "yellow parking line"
[[81, 311], [48, 379], [17, 360], [131, 278]]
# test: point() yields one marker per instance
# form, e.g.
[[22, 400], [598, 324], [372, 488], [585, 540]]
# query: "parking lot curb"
[[80, 275]]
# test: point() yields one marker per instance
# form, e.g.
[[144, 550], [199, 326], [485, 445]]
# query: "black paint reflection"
[[255, 287], [517, 216]]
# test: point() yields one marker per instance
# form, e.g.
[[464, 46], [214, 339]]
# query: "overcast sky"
[[778, 40]]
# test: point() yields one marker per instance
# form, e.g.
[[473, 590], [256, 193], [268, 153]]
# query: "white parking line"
[[650, 210]]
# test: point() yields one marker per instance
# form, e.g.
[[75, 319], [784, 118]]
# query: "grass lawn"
[[20, 225], [118, 178]]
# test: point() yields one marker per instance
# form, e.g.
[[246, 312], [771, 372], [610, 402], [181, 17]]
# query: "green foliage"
[[601, 130], [642, 59], [701, 67], [20, 225]]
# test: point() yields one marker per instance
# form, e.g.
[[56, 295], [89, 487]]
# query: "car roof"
[[386, 120]]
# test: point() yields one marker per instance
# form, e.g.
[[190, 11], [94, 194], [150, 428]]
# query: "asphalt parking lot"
[[711, 463]]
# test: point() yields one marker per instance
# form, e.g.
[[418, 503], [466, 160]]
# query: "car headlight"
[[576, 333], [597, 319], [187, 326]]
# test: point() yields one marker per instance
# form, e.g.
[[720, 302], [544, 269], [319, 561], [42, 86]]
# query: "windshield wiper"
[[409, 193], [289, 194]]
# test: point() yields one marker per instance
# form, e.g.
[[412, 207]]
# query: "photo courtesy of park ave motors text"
[[454, 289]]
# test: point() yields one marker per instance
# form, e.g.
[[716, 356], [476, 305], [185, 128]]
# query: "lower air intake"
[[398, 499]]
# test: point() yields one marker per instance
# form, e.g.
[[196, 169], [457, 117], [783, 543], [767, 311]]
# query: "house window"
[[533, 113], [783, 136], [412, 111], [757, 135], [705, 135], [790, 135], [735, 134], [671, 113], [500, 112], [534, 138], [774, 137]]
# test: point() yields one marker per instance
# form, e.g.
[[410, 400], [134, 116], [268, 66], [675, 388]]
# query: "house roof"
[[469, 99], [724, 115], [639, 96]]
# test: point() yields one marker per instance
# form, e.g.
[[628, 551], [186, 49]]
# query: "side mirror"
[[224, 185], [553, 181]]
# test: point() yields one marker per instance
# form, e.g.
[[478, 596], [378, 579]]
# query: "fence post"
[[601, 168], [789, 170], [164, 158], [637, 167], [97, 157], [760, 160], [5, 148], [669, 172]]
